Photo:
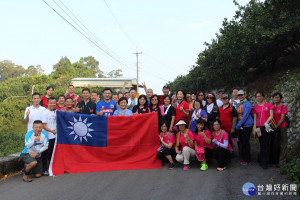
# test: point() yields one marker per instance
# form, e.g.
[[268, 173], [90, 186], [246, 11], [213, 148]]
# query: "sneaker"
[[186, 167], [45, 173], [26, 178], [203, 167], [171, 166], [244, 163], [221, 169]]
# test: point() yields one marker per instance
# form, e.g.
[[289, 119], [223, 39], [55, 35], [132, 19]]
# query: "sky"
[[170, 34]]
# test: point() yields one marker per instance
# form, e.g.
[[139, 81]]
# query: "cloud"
[[198, 26]]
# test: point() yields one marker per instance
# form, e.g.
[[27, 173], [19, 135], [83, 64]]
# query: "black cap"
[[166, 86]]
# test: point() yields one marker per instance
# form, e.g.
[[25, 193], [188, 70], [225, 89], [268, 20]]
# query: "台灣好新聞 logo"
[[249, 189]]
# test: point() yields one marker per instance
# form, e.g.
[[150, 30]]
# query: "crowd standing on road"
[[192, 128]]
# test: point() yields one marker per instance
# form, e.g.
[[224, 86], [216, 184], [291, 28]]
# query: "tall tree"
[[8, 70], [63, 68], [34, 70], [92, 65]]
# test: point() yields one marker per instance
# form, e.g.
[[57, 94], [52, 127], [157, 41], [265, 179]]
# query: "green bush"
[[292, 171], [12, 141]]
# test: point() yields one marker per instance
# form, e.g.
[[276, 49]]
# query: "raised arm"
[[123, 89]]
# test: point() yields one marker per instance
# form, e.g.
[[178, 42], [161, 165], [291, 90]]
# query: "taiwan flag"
[[92, 143]]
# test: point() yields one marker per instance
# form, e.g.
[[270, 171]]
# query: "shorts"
[[38, 169]]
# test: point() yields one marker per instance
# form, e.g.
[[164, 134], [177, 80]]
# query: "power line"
[[116, 19], [119, 60], [95, 37], [86, 37]]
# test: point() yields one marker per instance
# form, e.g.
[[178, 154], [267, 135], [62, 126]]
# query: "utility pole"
[[137, 69]]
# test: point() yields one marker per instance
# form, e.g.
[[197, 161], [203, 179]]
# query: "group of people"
[[191, 127]]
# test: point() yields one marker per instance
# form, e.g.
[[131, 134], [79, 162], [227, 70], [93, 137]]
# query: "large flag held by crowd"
[[90, 143]]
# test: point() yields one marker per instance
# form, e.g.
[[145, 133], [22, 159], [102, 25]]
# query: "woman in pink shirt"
[[203, 139], [222, 148], [167, 149], [263, 112], [280, 112], [184, 144]]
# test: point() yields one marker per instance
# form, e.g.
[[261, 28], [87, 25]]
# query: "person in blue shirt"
[[123, 111], [244, 126], [106, 106], [36, 142]]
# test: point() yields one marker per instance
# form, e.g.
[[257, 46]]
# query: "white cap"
[[180, 122], [240, 92]]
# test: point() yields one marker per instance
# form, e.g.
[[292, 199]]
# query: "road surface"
[[148, 184]]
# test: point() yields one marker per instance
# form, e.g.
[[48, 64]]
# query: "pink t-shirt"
[[201, 141], [182, 139], [262, 113], [225, 137], [171, 140], [277, 114]]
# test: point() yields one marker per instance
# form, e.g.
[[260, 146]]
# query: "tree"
[[34, 70], [255, 38], [63, 68], [115, 73], [92, 65], [8, 70]]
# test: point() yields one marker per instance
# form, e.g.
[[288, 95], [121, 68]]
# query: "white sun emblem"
[[80, 129]]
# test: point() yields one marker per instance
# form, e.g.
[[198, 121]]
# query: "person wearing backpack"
[[167, 148], [244, 126], [279, 113], [221, 145], [263, 113]]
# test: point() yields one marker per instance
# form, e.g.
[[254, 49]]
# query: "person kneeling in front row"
[[167, 149], [184, 144], [221, 145], [203, 146], [36, 142]]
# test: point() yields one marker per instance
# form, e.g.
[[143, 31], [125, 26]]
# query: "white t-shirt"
[[49, 117], [219, 102], [35, 114], [133, 103], [235, 103], [209, 107]]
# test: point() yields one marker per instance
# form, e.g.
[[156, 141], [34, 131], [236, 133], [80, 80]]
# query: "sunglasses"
[[210, 98]]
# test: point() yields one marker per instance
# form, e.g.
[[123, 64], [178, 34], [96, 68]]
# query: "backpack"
[[222, 133], [169, 135], [286, 119]]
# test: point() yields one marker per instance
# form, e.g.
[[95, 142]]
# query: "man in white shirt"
[[132, 101], [34, 112], [49, 124]]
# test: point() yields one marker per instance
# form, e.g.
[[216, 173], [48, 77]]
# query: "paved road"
[[147, 184]]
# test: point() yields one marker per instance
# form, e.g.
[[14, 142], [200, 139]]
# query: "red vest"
[[226, 118]]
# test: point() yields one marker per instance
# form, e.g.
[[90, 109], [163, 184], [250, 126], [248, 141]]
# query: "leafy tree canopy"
[[253, 40]]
